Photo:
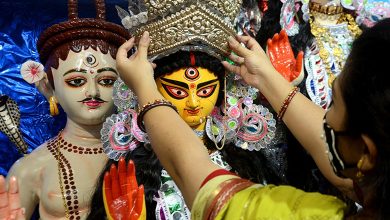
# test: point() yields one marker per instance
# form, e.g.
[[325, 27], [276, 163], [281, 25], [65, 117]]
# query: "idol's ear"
[[33, 73], [45, 88]]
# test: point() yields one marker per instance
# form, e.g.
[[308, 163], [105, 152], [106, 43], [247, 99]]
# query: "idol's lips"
[[193, 112], [93, 103]]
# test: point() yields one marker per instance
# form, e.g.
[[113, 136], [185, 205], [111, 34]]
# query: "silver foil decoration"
[[9, 122]]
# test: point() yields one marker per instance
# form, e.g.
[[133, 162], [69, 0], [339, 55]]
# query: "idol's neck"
[[201, 128], [82, 135]]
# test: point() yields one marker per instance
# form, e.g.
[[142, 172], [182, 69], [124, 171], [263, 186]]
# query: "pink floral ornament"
[[32, 71]]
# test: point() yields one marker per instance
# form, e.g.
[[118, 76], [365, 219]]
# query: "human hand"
[[251, 61], [9, 201], [136, 71], [282, 58], [123, 199]]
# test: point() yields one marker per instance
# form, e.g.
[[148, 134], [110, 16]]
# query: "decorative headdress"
[[80, 28], [197, 25]]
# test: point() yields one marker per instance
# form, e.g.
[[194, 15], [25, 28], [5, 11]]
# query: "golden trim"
[[328, 10]]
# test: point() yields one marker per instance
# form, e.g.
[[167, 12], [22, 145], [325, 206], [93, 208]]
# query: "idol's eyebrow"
[[178, 83], [107, 69], [200, 85], [77, 70]]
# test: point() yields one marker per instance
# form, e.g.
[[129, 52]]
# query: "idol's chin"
[[192, 121], [193, 124]]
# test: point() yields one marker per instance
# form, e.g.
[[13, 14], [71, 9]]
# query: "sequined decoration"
[[120, 134], [372, 11], [316, 82], [214, 129], [170, 201], [287, 14], [247, 125], [334, 42], [257, 129], [123, 97]]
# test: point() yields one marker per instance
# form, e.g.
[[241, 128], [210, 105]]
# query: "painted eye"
[[206, 92], [107, 82], [90, 59], [192, 74], [175, 92], [76, 82]]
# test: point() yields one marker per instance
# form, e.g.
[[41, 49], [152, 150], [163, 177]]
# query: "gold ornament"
[[322, 34], [325, 9], [360, 174], [203, 25], [53, 106]]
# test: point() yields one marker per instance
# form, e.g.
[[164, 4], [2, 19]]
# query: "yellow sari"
[[229, 197]]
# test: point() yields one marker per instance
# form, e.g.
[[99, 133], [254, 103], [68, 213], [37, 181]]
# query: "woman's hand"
[[252, 64], [136, 71], [282, 58], [9, 201], [123, 199]]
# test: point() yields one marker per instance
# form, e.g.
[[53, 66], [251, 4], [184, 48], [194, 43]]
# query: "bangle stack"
[[286, 102], [145, 108]]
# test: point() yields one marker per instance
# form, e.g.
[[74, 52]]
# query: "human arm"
[[302, 117], [181, 153]]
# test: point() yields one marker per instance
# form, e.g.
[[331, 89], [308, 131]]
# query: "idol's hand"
[[136, 71], [251, 61], [123, 199], [9, 201], [282, 58]]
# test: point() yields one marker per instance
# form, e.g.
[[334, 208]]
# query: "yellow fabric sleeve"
[[259, 202]]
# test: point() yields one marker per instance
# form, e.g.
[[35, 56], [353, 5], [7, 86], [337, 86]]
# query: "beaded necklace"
[[65, 173]]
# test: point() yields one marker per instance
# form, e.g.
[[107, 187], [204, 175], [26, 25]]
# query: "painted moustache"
[[93, 102]]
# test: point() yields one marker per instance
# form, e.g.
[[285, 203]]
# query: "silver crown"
[[200, 25]]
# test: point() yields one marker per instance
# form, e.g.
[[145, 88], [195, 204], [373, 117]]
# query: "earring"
[[359, 174], [53, 106]]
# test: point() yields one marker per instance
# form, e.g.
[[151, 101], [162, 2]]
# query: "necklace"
[[79, 150], [334, 42], [66, 175], [200, 134]]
